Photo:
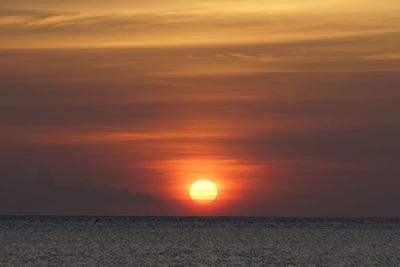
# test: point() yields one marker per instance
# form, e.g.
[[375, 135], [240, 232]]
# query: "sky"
[[290, 107]]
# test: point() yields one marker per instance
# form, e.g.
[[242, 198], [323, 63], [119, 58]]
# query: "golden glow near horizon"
[[203, 192]]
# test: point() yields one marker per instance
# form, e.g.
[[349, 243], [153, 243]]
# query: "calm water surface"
[[188, 241]]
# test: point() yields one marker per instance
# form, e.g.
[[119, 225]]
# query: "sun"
[[203, 192]]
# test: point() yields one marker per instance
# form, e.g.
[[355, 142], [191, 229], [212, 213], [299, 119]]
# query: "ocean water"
[[197, 241]]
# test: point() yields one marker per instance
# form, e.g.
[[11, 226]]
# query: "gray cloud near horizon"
[[45, 195]]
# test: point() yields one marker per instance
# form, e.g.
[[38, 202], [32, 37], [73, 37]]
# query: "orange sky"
[[78, 24], [291, 107]]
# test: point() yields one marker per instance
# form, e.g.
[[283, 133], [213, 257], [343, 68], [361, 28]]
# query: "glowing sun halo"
[[203, 191]]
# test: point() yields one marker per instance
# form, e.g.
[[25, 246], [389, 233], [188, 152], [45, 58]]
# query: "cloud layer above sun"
[[65, 24]]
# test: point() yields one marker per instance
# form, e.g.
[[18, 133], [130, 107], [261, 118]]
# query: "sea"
[[198, 241]]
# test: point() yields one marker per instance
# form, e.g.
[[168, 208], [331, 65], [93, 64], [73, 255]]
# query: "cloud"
[[288, 100], [262, 58], [181, 24], [13, 20], [44, 194], [384, 56]]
